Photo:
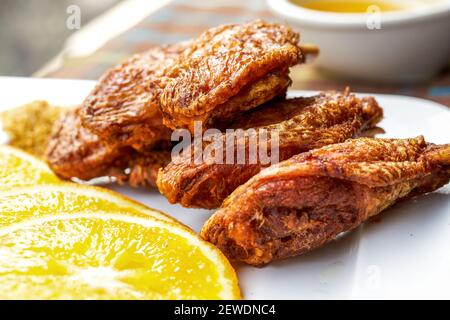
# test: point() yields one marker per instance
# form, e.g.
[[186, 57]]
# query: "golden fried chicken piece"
[[119, 116], [243, 64], [227, 70], [302, 124], [123, 105], [74, 151], [306, 201], [142, 168]]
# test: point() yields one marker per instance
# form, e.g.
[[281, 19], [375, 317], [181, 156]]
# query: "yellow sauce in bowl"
[[351, 6]]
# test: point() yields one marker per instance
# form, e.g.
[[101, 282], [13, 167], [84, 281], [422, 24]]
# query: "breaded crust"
[[222, 62], [73, 151], [301, 123], [308, 200], [123, 105], [142, 168]]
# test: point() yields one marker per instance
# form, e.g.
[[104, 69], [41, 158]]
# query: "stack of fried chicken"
[[330, 178]]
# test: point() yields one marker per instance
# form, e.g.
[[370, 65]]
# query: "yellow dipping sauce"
[[349, 6]]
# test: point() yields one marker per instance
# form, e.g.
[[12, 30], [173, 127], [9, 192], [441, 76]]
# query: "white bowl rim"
[[323, 19]]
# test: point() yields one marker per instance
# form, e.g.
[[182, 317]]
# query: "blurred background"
[[33, 32], [42, 38]]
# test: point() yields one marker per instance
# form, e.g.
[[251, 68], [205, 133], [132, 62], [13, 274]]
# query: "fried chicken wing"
[[142, 168], [120, 116], [301, 124], [74, 151], [306, 201], [123, 105], [227, 70]]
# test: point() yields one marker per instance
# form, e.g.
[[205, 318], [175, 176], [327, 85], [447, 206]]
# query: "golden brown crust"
[[74, 151], [222, 62], [271, 86], [302, 203], [302, 124], [123, 105], [142, 168], [119, 116], [120, 121]]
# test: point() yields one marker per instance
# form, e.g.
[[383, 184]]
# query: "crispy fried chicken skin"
[[301, 123], [306, 201], [73, 151], [227, 70], [119, 126], [101, 137], [123, 105], [142, 168]]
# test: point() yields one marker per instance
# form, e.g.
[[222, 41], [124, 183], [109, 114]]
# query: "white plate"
[[404, 255]]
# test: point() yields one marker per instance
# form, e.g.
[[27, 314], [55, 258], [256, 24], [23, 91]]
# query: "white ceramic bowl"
[[411, 46]]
